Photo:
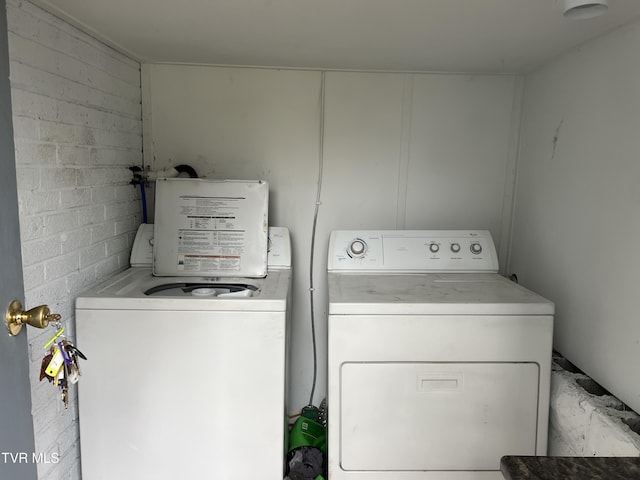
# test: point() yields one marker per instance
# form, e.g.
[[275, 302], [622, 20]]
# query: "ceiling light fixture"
[[580, 9]]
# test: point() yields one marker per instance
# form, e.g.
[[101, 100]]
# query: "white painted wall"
[[77, 127], [398, 151], [576, 225]]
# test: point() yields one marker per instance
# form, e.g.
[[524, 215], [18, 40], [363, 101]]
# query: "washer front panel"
[[169, 395]]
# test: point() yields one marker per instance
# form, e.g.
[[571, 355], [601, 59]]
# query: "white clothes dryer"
[[437, 365], [186, 376]]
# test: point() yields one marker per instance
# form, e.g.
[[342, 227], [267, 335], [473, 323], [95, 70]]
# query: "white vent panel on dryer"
[[210, 228]]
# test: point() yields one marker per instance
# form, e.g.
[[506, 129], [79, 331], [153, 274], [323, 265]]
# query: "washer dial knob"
[[357, 248], [434, 247], [455, 247], [476, 248]]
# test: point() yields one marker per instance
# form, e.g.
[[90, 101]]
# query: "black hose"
[[187, 169]]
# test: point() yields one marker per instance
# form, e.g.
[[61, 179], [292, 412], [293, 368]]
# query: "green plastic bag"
[[307, 447], [308, 432]]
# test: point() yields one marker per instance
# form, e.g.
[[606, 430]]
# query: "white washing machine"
[[186, 376], [437, 365]]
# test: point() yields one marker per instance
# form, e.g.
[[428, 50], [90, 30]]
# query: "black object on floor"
[[570, 468]]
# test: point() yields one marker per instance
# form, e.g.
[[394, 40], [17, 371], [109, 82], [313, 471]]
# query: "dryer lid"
[[432, 294]]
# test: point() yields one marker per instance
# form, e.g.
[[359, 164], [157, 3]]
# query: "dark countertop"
[[570, 468]]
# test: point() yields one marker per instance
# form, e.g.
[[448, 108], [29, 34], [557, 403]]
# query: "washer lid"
[[432, 294], [210, 228], [134, 288], [202, 289]]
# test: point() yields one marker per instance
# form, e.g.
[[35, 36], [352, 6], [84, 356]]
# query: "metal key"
[[71, 346], [64, 392], [71, 370], [73, 353]]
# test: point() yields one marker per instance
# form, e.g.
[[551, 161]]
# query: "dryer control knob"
[[434, 247], [357, 248], [476, 248], [455, 247]]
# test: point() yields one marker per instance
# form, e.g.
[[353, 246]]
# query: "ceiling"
[[474, 36]]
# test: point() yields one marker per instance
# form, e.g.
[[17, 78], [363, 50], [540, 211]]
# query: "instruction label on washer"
[[216, 228], [212, 237]]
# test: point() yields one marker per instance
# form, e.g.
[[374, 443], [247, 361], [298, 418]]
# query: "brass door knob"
[[38, 317]]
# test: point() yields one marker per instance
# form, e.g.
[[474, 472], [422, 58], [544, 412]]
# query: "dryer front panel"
[[436, 416]]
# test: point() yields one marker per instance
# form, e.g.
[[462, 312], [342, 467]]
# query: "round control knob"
[[357, 248], [455, 247], [476, 248], [434, 247]]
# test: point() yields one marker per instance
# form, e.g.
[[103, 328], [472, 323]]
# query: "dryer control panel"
[[406, 251]]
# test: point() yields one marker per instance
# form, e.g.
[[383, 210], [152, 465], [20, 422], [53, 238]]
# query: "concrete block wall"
[[586, 420], [77, 127]]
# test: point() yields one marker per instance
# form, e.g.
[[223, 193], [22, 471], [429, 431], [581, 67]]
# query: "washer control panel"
[[412, 251]]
